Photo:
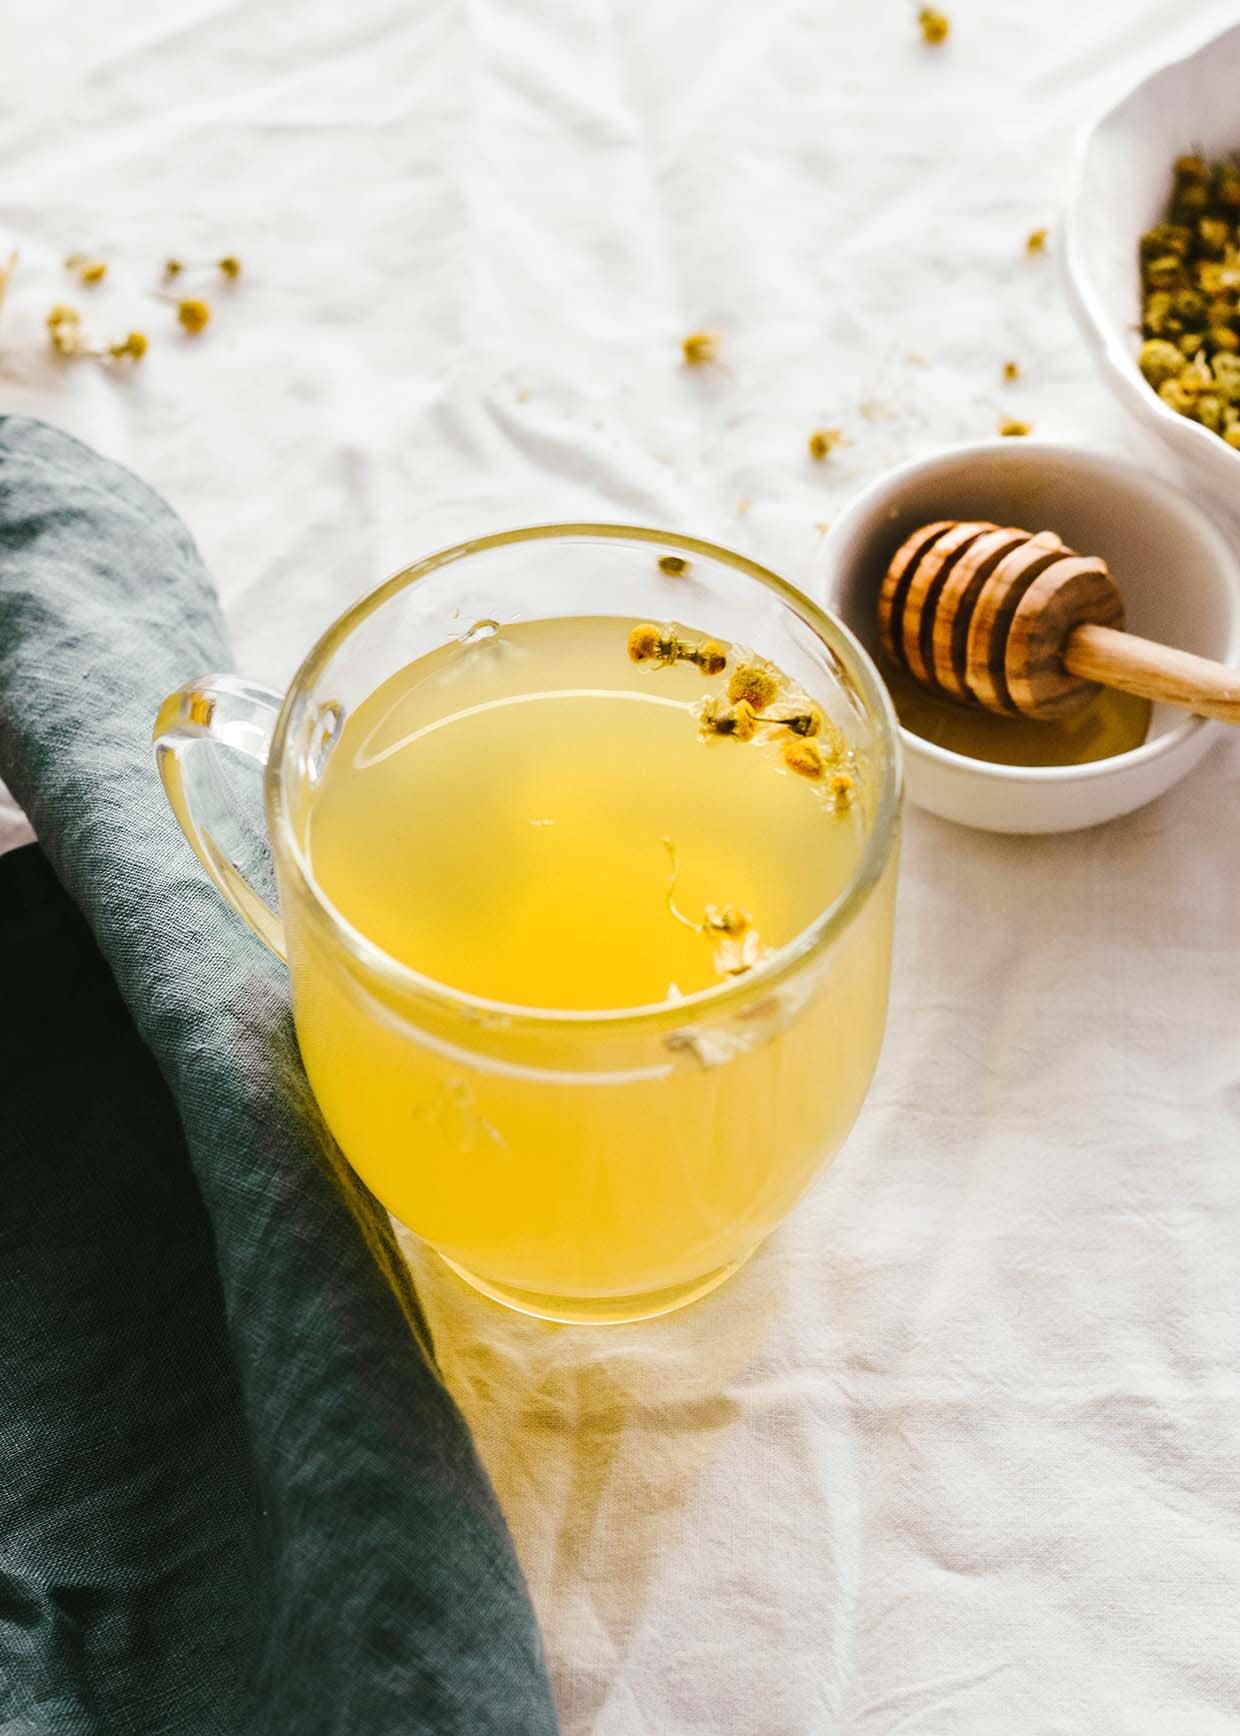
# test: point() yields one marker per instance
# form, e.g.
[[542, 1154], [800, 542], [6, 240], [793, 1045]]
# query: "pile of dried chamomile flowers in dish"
[[1190, 275], [71, 338]]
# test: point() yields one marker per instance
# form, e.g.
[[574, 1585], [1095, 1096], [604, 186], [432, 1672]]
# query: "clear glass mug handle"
[[205, 731]]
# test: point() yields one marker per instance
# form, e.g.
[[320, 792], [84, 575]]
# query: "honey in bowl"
[[1112, 723]]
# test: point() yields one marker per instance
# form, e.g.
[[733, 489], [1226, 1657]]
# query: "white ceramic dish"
[[1179, 578], [1120, 182]]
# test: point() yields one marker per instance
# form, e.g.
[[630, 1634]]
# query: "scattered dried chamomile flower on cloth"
[[823, 442], [7, 268], [87, 270], [700, 349]]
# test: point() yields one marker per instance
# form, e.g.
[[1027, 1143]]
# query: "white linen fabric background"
[[960, 1451]]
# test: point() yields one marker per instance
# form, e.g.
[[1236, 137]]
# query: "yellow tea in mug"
[[586, 817]]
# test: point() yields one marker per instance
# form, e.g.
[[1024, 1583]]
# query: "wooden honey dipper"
[[1024, 626]]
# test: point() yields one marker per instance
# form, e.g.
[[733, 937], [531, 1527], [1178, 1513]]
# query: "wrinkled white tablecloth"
[[960, 1451]]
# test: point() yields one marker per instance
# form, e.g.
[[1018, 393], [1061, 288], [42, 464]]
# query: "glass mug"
[[584, 1166]]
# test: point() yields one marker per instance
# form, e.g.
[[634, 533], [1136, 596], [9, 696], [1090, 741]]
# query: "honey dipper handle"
[[1153, 671]]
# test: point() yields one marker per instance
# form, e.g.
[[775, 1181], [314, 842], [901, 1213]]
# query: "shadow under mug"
[[582, 1166]]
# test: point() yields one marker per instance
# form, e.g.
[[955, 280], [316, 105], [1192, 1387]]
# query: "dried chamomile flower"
[[1175, 395], [842, 789], [738, 721], [1164, 239], [803, 719], [1213, 235], [755, 682], [1159, 317], [228, 266], [7, 268], [1166, 272], [823, 441], [662, 647], [1208, 410], [64, 330], [87, 270], [132, 349], [194, 314], [646, 644], [737, 945], [673, 566], [735, 941], [700, 348], [1159, 361], [805, 758], [1189, 308], [935, 25], [68, 338], [1226, 371], [1036, 240], [1219, 277], [1189, 202], [1011, 371], [1012, 428]]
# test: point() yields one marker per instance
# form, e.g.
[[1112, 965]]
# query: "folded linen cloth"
[[235, 1496]]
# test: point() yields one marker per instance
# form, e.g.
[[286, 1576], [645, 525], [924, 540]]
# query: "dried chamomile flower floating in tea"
[[756, 682], [823, 441], [935, 25], [735, 940], [700, 348], [1190, 275], [805, 758], [715, 718], [662, 646]]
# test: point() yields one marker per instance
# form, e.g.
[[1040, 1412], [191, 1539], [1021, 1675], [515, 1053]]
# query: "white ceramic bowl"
[[1178, 576], [1120, 183]]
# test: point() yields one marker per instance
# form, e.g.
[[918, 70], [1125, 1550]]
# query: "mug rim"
[[718, 998]]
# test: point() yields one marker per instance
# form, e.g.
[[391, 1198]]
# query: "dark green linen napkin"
[[235, 1496]]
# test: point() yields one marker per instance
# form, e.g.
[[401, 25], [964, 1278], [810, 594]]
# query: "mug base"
[[599, 1310]]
